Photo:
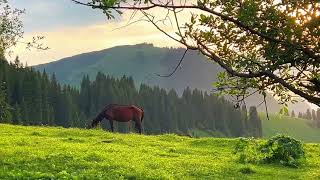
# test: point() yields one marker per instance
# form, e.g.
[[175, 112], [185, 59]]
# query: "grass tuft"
[[247, 170]]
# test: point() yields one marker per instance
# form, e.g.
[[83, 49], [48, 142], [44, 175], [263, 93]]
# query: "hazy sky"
[[71, 29]]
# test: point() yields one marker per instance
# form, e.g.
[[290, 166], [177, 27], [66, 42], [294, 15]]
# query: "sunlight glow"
[[83, 39]]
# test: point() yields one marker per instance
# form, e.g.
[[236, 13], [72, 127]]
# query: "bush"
[[278, 149], [284, 150], [248, 150]]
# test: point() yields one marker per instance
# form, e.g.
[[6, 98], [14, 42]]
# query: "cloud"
[[68, 41], [50, 15], [72, 29]]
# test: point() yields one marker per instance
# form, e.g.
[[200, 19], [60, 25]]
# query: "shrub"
[[278, 149], [284, 150], [248, 150]]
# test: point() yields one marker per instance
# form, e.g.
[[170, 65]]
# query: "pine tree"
[[172, 99], [318, 118], [45, 98], [314, 116], [85, 99], [293, 114], [187, 109], [5, 115], [255, 122], [28, 95], [244, 118], [36, 103], [308, 115], [16, 114], [24, 112]]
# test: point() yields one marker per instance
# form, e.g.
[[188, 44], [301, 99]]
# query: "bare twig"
[[177, 66], [266, 106], [129, 24]]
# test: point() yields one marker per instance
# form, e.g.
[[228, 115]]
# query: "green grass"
[[295, 127], [57, 153]]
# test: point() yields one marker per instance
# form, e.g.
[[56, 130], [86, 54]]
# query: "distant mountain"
[[140, 61], [143, 62]]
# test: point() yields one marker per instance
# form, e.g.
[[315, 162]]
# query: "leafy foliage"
[[11, 27], [248, 150], [12, 32], [252, 37], [284, 150], [280, 149]]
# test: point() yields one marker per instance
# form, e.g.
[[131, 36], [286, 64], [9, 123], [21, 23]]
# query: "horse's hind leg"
[[111, 125]]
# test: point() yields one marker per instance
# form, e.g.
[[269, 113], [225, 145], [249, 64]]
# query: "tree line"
[[312, 115], [30, 97]]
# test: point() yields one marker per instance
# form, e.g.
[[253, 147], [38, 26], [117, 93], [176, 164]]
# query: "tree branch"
[[202, 7], [207, 52], [204, 49]]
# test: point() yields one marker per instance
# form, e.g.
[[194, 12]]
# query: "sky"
[[71, 29]]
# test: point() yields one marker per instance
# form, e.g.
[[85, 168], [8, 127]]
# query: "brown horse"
[[120, 113]]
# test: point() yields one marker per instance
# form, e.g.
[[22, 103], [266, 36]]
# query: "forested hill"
[[142, 62], [29, 97]]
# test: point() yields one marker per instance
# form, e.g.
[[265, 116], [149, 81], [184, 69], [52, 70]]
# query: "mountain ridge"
[[143, 62]]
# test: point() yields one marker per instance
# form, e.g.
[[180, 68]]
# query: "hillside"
[[295, 127], [56, 153], [142, 62]]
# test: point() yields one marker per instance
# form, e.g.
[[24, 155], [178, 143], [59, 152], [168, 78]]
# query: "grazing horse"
[[120, 113]]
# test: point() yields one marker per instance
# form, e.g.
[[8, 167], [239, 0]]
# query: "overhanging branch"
[[202, 7], [207, 52]]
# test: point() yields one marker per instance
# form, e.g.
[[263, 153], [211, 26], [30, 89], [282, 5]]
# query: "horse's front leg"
[[129, 126], [138, 126], [111, 124]]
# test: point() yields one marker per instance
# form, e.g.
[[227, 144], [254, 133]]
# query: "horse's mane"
[[108, 107]]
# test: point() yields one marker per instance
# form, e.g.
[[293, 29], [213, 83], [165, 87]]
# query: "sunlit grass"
[[295, 127], [57, 153]]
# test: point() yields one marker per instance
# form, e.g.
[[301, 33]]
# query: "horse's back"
[[120, 112], [136, 108]]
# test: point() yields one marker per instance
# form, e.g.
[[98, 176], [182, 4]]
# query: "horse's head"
[[97, 119], [94, 123]]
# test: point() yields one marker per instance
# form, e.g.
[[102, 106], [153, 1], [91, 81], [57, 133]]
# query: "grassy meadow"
[[58, 153], [294, 127]]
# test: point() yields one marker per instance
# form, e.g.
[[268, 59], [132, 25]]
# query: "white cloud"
[[70, 41]]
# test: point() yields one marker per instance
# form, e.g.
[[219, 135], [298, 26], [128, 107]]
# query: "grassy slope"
[[295, 127], [73, 153]]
